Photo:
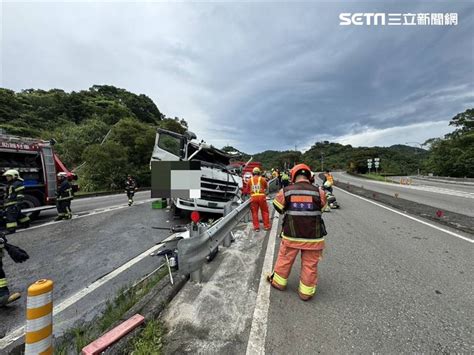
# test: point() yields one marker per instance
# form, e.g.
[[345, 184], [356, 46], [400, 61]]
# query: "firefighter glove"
[[17, 254]]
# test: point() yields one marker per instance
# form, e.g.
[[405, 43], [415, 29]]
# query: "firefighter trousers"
[[130, 195], [309, 269], [11, 215], [260, 203], [64, 209], [3, 279]]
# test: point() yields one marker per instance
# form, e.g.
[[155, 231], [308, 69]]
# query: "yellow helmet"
[[256, 170]]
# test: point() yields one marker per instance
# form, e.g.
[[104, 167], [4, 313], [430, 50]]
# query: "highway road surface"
[[387, 284], [451, 197], [104, 235]]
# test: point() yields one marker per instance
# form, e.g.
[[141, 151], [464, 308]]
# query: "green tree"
[[453, 155], [104, 166]]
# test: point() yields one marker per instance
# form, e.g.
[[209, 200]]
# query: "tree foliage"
[[454, 155], [106, 132]]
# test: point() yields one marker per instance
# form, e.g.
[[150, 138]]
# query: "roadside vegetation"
[[107, 132], [78, 337], [376, 177]]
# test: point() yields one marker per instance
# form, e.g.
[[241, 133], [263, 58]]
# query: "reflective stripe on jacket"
[[258, 186], [65, 191], [14, 192], [301, 203]]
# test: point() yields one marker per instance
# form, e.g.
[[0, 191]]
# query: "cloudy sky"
[[266, 75]]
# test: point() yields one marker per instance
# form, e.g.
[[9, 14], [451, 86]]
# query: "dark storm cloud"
[[257, 76]]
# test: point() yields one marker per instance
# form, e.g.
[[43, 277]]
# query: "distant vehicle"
[[245, 170], [38, 166], [245, 167], [219, 184]]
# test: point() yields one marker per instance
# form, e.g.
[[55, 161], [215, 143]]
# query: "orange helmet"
[[302, 168]]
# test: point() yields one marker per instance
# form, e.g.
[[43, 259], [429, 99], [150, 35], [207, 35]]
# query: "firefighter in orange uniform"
[[303, 230], [258, 188]]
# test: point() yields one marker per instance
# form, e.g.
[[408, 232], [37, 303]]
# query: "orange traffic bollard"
[[39, 318]]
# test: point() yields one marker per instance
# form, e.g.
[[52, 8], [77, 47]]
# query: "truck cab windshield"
[[170, 143]]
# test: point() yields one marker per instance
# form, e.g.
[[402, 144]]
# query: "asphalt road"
[[76, 253], [90, 203], [387, 284], [451, 197]]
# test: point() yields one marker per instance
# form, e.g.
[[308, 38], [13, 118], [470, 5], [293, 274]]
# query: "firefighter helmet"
[[256, 171], [62, 175], [10, 172], [300, 169]]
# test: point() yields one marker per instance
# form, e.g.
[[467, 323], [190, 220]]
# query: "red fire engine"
[[38, 166], [247, 169]]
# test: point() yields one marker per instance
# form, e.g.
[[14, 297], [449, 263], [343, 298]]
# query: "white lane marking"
[[410, 217], [19, 332], [92, 213], [104, 197], [258, 331], [439, 190]]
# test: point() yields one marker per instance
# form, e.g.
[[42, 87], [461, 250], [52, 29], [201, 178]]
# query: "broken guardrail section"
[[204, 240]]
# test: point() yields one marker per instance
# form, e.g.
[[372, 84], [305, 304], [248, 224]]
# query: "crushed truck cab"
[[218, 184]]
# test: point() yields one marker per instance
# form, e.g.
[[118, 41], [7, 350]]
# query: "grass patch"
[[78, 337], [375, 177], [150, 339]]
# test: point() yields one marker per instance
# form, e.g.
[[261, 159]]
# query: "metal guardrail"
[[204, 240]]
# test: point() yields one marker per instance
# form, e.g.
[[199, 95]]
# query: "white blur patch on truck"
[[219, 184]]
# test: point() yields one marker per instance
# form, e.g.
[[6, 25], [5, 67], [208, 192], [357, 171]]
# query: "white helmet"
[[11, 172], [62, 175], [327, 184]]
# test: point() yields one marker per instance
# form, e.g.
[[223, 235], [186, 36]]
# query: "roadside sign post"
[[377, 164], [369, 164]]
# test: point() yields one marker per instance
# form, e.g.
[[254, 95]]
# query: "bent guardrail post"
[[197, 244], [227, 210]]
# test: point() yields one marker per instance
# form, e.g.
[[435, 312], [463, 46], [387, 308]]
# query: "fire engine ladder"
[[50, 170]]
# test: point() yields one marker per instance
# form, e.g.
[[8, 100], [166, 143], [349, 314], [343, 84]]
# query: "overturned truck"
[[218, 184]]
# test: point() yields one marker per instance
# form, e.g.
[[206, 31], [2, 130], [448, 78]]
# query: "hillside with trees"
[[453, 155], [107, 132], [104, 132]]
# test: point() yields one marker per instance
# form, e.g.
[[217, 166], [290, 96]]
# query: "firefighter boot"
[[6, 297]]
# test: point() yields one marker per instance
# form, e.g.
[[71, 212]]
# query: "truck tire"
[[30, 201]]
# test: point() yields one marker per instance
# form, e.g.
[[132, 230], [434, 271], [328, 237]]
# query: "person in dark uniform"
[[64, 197], [130, 188]]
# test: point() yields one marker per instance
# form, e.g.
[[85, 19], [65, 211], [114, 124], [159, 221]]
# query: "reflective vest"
[[303, 212], [257, 186], [329, 178]]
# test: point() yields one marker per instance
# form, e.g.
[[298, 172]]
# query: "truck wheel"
[[30, 201]]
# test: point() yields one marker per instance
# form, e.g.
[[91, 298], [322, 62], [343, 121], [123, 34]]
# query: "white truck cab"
[[218, 184]]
